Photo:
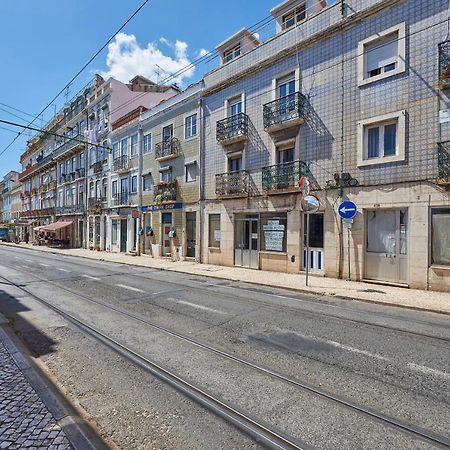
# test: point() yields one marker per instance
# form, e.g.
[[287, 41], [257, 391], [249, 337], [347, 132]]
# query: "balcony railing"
[[285, 111], [444, 64], [233, 184], [70, 209], [80, 173], [121, 198], [96, 203], [97, 167], [444, 163], [232, 129], [285, 176], [168, 149], [165, 192], [121, 164]]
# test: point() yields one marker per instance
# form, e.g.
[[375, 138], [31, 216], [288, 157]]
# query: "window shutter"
[[382, 53]]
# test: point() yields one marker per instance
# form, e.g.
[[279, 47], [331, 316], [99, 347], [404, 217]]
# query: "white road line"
[[28, 260], [429, 371], [62, 270], [205, 308], [131, 288], [44, 265], [91, 278]]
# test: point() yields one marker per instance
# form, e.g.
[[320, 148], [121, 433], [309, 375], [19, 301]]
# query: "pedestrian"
[[27, 237]]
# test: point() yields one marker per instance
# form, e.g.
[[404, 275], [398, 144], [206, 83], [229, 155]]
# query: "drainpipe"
[[202, 178], [140, 163]]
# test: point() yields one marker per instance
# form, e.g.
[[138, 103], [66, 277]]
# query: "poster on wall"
[[274, 235]]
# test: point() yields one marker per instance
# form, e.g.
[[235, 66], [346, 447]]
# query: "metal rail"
[[393, 422]]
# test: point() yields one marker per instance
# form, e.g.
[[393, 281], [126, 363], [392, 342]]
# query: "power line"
[[81, 70], [18, 110]]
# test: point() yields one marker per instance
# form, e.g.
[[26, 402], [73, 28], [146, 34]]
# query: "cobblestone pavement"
[[25, 422]]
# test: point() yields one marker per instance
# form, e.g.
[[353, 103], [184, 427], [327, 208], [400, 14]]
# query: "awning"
[[40, 227], [56, 226]]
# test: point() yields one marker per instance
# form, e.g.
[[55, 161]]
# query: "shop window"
[[440, 236], [214, 230], [273, 232]]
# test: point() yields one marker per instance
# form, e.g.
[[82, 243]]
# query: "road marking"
[[28, 260], [44, 265], [91, 278], [62, 270], [131, 288], [205, 308], [429, 371]]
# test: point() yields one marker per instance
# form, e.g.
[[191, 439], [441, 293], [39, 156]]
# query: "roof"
[[235, 38]]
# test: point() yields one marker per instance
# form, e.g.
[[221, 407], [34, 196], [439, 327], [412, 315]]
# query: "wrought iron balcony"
[[283, 177], [70, 209], [52, 185], [121, 198], [233, 184], [97, 167], [80, 173], [444, 64], [232, 129], [167, 150], [285, 112], [444, 164], [165, 192], [121, 164], [96, 203]]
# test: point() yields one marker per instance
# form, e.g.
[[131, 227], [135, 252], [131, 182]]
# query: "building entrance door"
[[246, 242], [191, 231], [386, 256], [123, 235], [166, 225]]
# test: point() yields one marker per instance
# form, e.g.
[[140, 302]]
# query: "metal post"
[[307, 248], [348, 252]]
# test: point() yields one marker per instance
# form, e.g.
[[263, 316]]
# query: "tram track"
[[392, 422]]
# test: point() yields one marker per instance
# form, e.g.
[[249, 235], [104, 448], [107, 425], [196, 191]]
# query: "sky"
[[44, 43]]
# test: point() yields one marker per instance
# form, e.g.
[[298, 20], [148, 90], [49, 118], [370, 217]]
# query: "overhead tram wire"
[[81, 70], [27, 127], [18, 110]]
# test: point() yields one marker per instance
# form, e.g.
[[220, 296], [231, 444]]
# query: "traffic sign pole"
[[347, 210], [307, 248]]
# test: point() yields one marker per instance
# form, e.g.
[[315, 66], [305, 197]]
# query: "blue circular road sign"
[[347, 209]]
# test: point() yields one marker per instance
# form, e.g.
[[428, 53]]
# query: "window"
[[294, 17], [316, 230], [134, 183], [114, 227], [134, 145], [82, 127], [148, 143], [440, 236], [285, 155], [147, 182], [191, 172], [232, 53], [382, 55], [124, 147], [286, 86], [273, 232], [82, 160], [381, 139], [235, 164], [166, 174], [235, 106], [114, 188], [190, 126], [167, 133], [214, 230], [115, 150]]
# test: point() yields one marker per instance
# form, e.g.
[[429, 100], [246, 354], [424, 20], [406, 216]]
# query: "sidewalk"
[[438, 302]]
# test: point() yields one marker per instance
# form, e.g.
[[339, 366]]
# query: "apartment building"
[[342, 102], [170, 181]]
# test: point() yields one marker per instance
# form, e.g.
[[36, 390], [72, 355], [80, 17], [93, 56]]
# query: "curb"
[[288, 288], [78, 431]]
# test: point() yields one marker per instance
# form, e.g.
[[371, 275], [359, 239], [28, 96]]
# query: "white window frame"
[[365, 124], [133, 155], [400, 29], [190, 164], [143, 182], [149, 150], [133, 177], [232, 53], [186, 117], [294, 13]]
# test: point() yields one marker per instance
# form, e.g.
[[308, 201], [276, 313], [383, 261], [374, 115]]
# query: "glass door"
[[246, 247]]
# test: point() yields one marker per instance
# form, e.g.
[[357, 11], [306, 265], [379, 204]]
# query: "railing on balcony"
[[285, 176], [233, 184], [168, 149], [165, 192], [70, 209], [72, 144], [444, 163], [45, 160], [121, 163], [285, 110], [232, 129], [96, 203], [444, 64], [80, 173], [52, 185], [97, 167], [121, 198]]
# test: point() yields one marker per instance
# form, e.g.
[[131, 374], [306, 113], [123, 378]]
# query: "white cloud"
[[127, 59], [202, 53]]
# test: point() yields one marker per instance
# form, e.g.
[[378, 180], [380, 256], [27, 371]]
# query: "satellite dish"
[[310, 204]]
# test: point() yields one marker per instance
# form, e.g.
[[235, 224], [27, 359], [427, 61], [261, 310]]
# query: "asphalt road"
[[394, 361]]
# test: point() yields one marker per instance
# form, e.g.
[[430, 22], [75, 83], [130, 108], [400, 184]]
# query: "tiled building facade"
[[347, 100]]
